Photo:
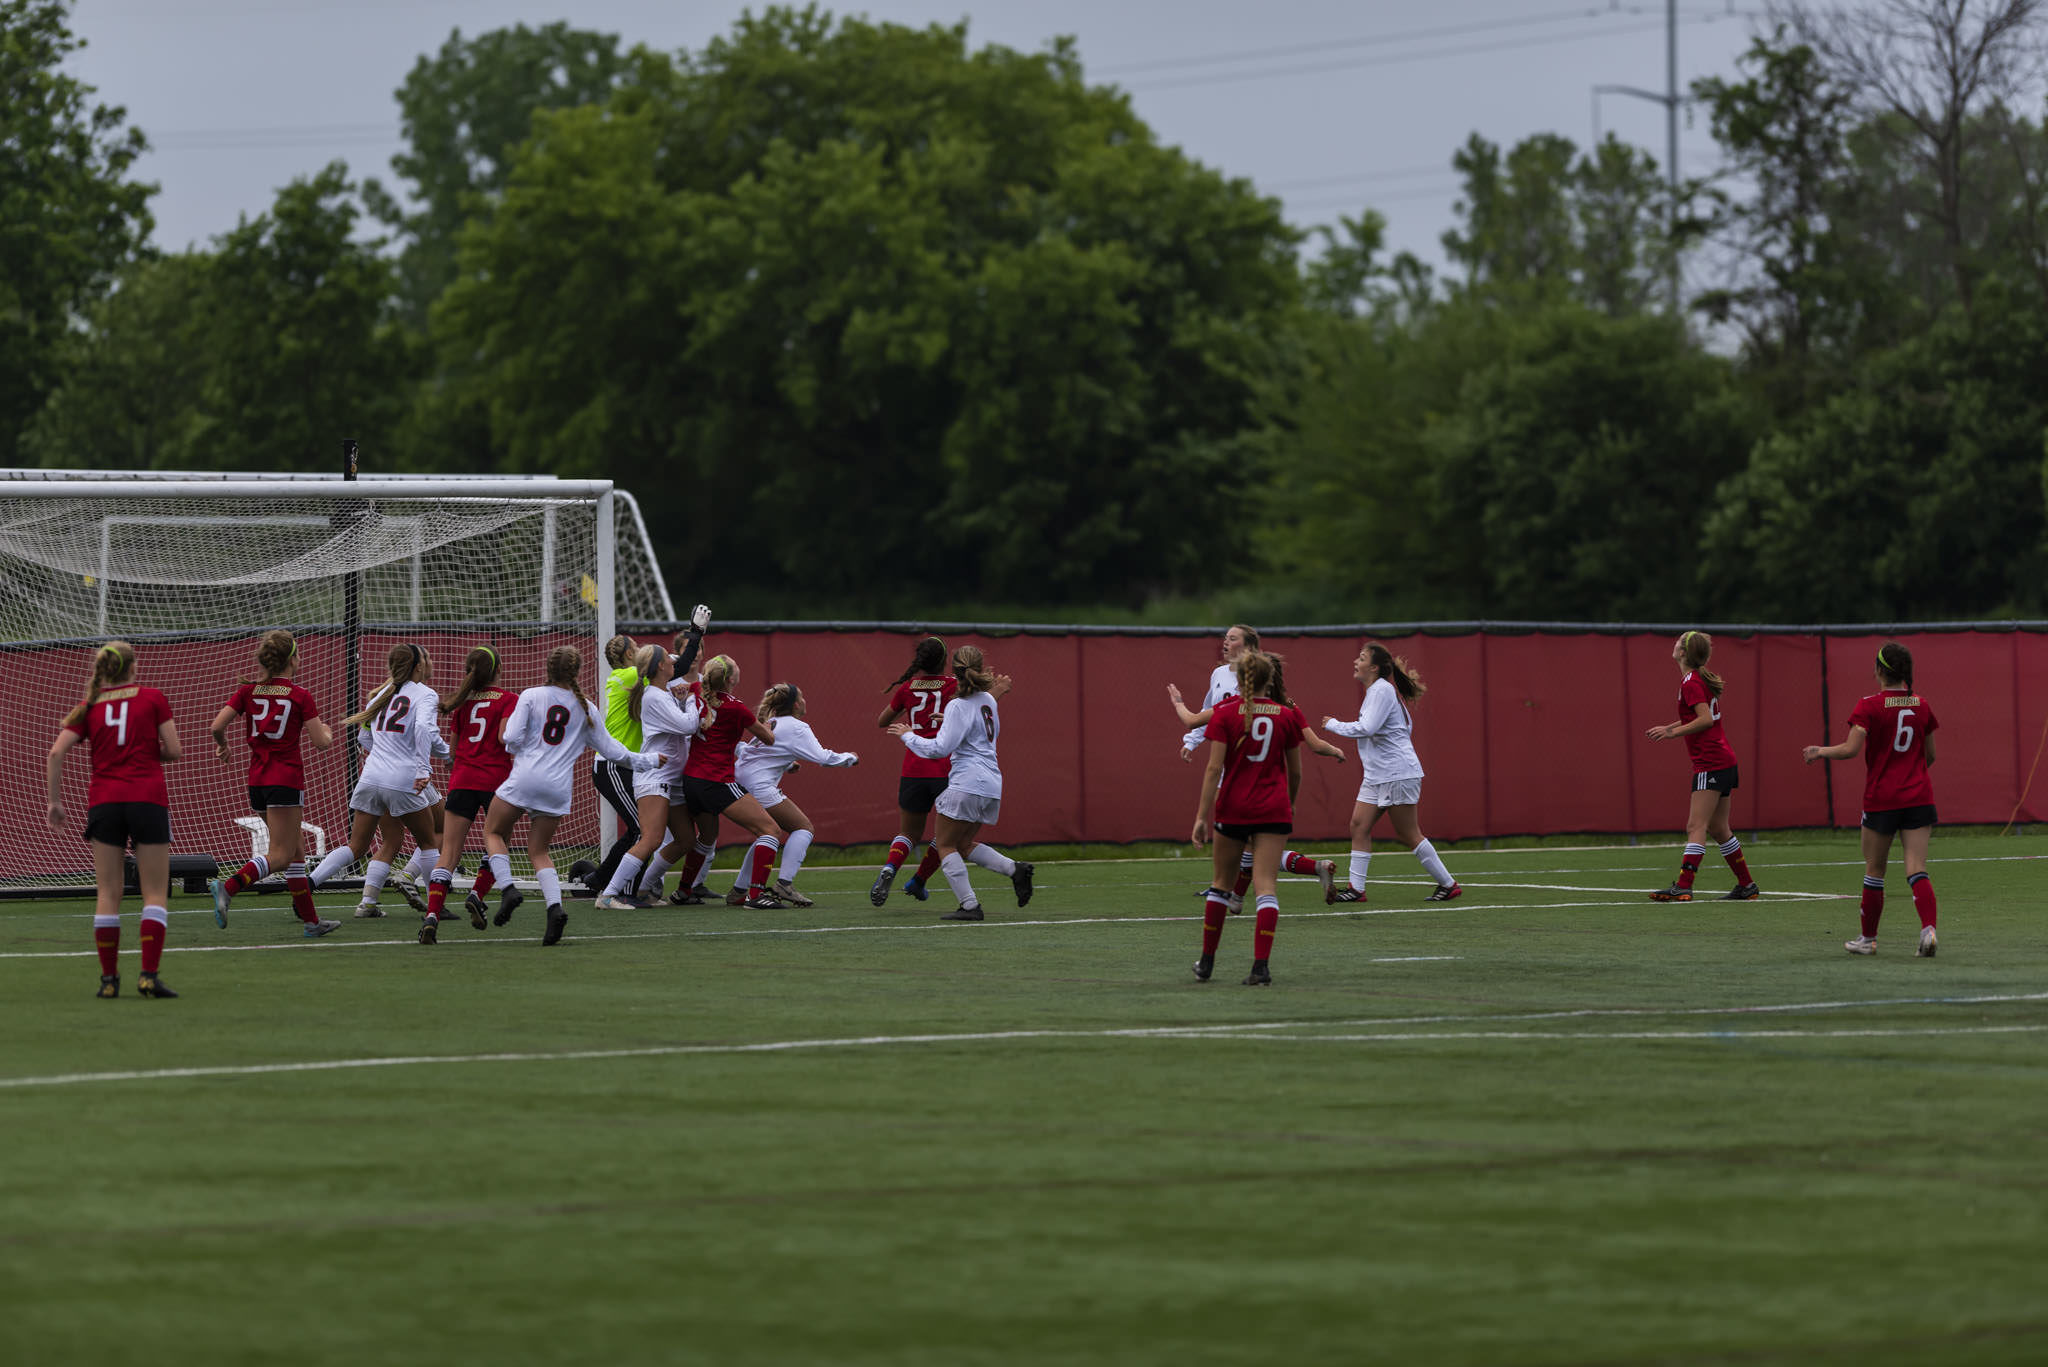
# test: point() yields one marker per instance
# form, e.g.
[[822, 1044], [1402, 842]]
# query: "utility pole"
[[1671, 100]]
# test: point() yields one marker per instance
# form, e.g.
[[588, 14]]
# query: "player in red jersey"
[[1893, 729], [1714, 775], [479, 762], [1247, 799], [920, 697], [129, 729], [280, 712], [709, 783]]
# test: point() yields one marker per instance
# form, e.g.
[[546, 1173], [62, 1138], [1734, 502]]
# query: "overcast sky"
[[1331, 106]]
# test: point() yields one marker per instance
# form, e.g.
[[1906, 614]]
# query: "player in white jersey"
[[1392, 781], [760, 767], [1222, 684], [666, 724], [401, 737], [974, 791]]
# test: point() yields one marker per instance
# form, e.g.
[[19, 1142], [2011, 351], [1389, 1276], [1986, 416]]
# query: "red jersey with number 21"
[[1895, 725], [1708, 748], [1256, 737], [480, 761], [922, 701], [127, 754], [277, 711]]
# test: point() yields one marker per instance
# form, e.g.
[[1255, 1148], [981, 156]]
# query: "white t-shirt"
[[546, 735], [1382, 731], [666, 725], [968, 734], [759, 767], [1222, 684], [403, 739]]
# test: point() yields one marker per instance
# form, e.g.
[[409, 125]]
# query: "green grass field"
[[1550, 1123]]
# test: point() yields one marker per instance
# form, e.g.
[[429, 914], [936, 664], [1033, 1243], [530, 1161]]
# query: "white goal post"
[[194, 568]]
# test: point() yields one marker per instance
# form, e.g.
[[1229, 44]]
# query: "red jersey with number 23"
[[1895, 725], [1256, 736], [127, 754], [1708, 748], [480, 760], [922, 701], [277, 711]]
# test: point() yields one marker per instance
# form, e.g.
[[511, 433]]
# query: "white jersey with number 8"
[[546, 736]]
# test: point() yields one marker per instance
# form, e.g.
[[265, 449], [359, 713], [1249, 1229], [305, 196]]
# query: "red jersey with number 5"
[[1256, 736], [1708, 748], [480, 760], [127, 754], [277, 712], [922, 701], [1895, 725], [711, 754]]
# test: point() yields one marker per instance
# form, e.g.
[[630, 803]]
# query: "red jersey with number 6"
[[922, 701], [127, 754], [1256, 736], [277, 711], [1708, 748], [1895, 725], [711, 754], [480, 760]]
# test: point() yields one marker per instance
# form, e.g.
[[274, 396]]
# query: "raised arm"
[[803, 742]]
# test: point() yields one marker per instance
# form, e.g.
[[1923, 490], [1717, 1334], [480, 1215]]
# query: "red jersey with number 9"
[[480, 760], [1256, 737], [1709, 748], [277, 712], [127, 754], [922, 701], [1895, 725]]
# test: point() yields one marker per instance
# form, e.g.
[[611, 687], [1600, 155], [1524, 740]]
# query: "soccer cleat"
[[1928, 943], [879, 893], [736, 896], [558, 920], [763, 901], [150, 985], [1444, 894], [786, 890], [1234, 903], [1260, 976], [1743, 892], [1862, 944], [219, 890], [1204, 966], [1346, 895], [110, 985], [583, 871], [1674, 893], [1021, 881], [368, 910], [410, 893], [508, 903], [686, 897], [972, 913], [474, 905], [315, 929], [609, 903], [914, 887], [430, 931], [1326, 874]]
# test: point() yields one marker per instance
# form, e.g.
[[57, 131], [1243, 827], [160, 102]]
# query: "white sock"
[[1361, 860], [625, 878], [710, 853], [955, 869], [1426, 853], [296, 870], [793, 854], [373, 878], [1244, 861], [338, 858], [995, 861], [501, 869], [421, 864], [550, 887], [657, 869], [262, 863]]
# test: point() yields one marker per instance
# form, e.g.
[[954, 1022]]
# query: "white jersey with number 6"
[[402, 739], [546, 736], [968, 734]]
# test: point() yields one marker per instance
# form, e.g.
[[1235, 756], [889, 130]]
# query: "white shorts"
[[379, 801], [971, 807], [651, 782], [534, 800], [1402, 792]]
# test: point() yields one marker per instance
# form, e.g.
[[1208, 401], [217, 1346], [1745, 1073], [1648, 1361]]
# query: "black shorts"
[[272, 795], [1717, 780], [1236, 831], [918, 794], [120, 823], [1899, 819], [469, 803], [710, 794]]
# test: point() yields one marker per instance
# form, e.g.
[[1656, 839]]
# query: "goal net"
[[193, 572]]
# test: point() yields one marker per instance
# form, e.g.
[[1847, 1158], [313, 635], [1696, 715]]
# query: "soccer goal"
[[193, 569]]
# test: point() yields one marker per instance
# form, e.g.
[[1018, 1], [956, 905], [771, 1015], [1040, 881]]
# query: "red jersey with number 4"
[[127, 754], [277, 712], [1895, 725], [922, 701], [1708, 748], [480, 760], [711, 753], [1256, 737]]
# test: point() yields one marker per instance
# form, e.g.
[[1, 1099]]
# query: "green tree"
[[70, 217]]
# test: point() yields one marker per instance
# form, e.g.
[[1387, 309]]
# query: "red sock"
[[1738, 864], [1262, 931], [486, 880], [1295, 862], [437, 894], [899, 850], [1873, 905], [764, 860], [301, 889], [692, 866], [1690, 865], [1214, 909], [1923, 898], [1244, 881], [152, 940], [928, 865], [107, 939], [243, 877]]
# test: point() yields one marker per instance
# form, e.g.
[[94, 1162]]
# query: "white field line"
[[1597, 1036]]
